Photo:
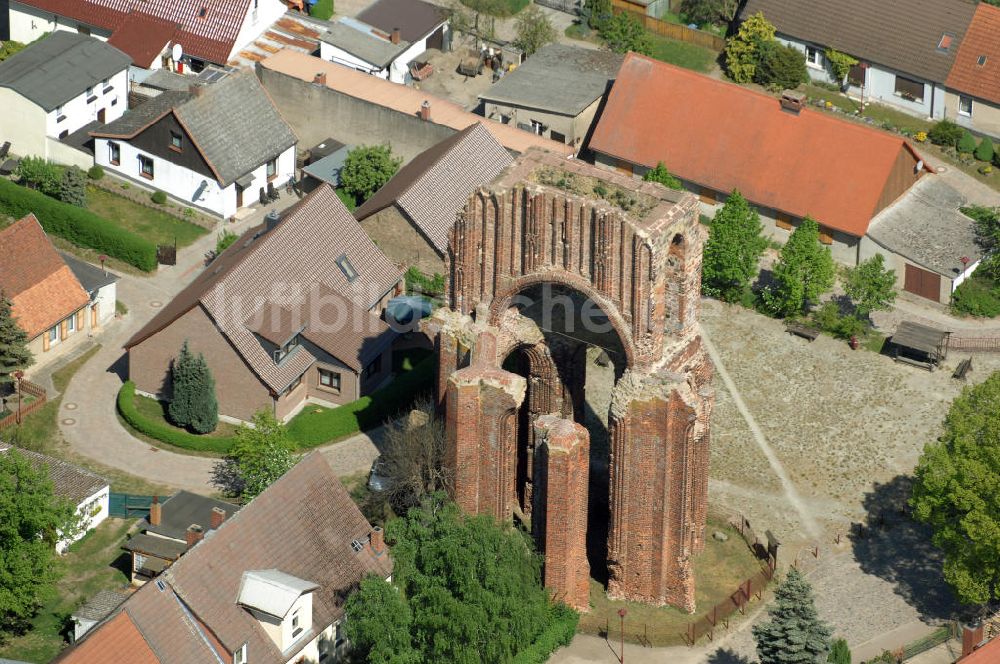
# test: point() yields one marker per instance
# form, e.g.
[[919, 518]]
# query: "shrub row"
[[79, 226], [976, 296], [310, 428], [558, 634], [163, 432]]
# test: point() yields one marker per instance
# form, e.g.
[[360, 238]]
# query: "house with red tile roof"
[[267, 585], [147, 30], [57, 299], [972, 98], [790, 162], [289, 314]]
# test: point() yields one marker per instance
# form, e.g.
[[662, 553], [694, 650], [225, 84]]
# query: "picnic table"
[[804, 331]]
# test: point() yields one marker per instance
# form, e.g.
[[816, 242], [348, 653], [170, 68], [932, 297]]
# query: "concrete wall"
[[573, 128], [401, 241], [239, 391], [985, 116], [183, 184], [317, 112]]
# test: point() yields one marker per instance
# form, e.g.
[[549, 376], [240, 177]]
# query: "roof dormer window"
[[283, 352], [240, 656], [981, 61], [296, 624]]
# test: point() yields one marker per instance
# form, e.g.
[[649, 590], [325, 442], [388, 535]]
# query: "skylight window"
[[203, 12], [982, 60], [345, 266], [945, 42]]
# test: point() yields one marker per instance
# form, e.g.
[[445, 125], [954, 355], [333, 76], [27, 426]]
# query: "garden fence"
[[128, 506], [671, 30], [568, 6], [719, 615], [39, 398], [942, 634], [975, 344]]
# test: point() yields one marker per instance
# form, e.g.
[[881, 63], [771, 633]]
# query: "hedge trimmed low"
[[79, 226], [555, 636], [163, 433], [310, 428]]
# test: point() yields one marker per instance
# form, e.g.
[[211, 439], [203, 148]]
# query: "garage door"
[[922, 282]]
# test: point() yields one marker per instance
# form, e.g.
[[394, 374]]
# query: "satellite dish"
[[176, 52]]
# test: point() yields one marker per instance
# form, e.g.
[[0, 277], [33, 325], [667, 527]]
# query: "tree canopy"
[[32, 520], [871, 286], [794, 634], [366, 169], [955, 490], [259, 456], [804, 271], [534, 30], [715, 12], [14, 353], [193, 404], [663, 176], [624, 33], [734, 247], [468, 590], [743, 48]]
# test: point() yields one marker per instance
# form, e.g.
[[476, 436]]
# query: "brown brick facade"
[[634, 249]]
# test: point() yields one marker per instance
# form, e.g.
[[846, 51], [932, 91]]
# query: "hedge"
[[163, 432], [79, 226], [311, 428], [555, 636]]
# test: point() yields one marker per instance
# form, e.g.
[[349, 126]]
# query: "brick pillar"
[[655, 479], [559, 520], [481, 427]]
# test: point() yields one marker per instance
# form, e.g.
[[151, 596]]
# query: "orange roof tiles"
[[987, 654], [724, 137], [981, 43], [118, 642], [42, 289], [403, 99]]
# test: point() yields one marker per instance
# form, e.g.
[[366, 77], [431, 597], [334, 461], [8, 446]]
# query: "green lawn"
[[151, 224], [718, 571], [89, 566], [682, 54]]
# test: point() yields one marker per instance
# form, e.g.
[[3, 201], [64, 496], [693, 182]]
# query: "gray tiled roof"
[[161, 547], [235, 126], [69, 481], [60, 67], [414, 18], [100, 605], [370, 48], [435, 186], [185, 508], [294, 260], [136, 119], [164, 79], [926, 227], [903, 34], [558, 78], [91, 277]]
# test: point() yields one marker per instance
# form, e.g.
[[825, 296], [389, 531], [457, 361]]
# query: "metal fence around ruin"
[[974, 344], [21, 410], [671, 30]]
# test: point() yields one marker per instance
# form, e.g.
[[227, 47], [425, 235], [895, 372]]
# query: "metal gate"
[[128, 506]]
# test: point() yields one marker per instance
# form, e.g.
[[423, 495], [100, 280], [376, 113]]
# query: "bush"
[[73, 187], [39, 174], [159, 197], [323, 10], [309, 429], [347, 199], [429, 285], [95, 172], [945, 132], [967, 143], [829, 319], [985, 150], [224, 239], [840, 652], [624, 33], [780, 66], [79, 226], [555, 636], [976, 296], [366, 169], [163, 432]]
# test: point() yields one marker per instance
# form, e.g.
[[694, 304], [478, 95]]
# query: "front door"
[[93, 316], [239, 197], [100, 116]]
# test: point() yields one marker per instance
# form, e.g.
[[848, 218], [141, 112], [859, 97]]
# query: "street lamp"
[[19, 375], [622, 612]]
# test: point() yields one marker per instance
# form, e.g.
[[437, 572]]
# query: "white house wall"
[[23, 123], [339, 56], [105, 302], [112, 98], [99, 501], [183, 184], [28, 24]]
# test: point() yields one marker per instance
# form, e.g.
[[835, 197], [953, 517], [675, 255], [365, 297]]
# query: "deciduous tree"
[[32, 520], [534, 30], [14, 353], [260, 455], [803, 273], [871, 286], [624, 33], [366, 169], [794, 634], [597, 13], [380, 623], [735, 245], [742, 49], [662, 175], [709, 11], [955, 491]]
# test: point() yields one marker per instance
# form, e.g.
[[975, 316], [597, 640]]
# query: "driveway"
[[87, 416]]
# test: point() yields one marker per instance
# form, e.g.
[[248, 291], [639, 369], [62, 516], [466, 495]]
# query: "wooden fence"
[[23, 410], [671, 30], [974, 344]]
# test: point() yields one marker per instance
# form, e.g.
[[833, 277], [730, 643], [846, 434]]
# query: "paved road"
[[87, 416]]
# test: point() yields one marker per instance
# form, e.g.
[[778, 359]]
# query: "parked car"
[[377, 479]]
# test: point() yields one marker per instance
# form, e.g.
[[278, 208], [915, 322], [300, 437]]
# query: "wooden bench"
[[803, 331], [963, 368]]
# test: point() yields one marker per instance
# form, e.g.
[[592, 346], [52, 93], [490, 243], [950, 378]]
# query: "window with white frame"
[[71, 324], [240, 656], [965, 106], [814, 56], [54, 334]]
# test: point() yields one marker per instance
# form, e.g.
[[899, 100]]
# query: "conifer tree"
[[181, 405], [795, 634], [204, 405], [14, 353], [734, 247]]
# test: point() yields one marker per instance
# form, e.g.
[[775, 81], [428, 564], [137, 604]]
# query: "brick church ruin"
[[550, 259]]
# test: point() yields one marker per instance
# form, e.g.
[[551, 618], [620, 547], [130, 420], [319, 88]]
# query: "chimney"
[[320, 78], [218, 516], [271, 220], [425, 111], [195, 90], [972, 636], [394, 36], [194, 534], [377, 540], [155, 511], [793, 101]]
